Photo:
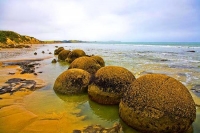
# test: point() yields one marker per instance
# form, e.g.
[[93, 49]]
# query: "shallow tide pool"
[[51, 112]]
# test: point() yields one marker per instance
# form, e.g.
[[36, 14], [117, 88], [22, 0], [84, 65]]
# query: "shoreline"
[[15, 112], [9, 71], [12, 108], [9, 103], [10, 53], [9, 68], [10, 61]]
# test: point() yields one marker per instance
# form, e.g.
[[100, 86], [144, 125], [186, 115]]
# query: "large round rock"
[[86, 63], [99, 59], [58, 50], [109, 84], [159, 104], [74, 54], [63, 54], [73, 81]]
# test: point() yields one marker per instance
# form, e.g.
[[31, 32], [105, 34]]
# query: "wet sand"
[[18, 116], [11, 53], [15, 117]]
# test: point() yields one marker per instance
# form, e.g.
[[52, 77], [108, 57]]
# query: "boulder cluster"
[[152, 103]]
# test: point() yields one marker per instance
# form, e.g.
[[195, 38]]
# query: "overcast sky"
[[103, 20]]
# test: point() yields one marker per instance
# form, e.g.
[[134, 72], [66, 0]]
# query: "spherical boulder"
[[99, 60], [58, 50], [73, 81], [86, 63], [63, 54], [157, 103], [109, 84], [75, 54]]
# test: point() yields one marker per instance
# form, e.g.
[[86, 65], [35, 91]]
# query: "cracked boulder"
[[109, 84]]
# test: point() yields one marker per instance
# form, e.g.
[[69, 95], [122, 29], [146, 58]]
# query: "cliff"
[[10, 39]]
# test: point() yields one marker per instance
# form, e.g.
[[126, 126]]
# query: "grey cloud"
[[126, 20]]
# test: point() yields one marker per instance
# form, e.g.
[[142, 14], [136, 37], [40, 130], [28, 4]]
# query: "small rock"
[[29, 84], [117, 128], [53, 61], [191, 51], [28, 68], [77, 131], [13, 84], [50, 53], [164, 60], [11, 73], [30, 65], [43, 52], [5, 89], [196, 88], [16, 87], [14, 80], [16, 84], [35, 53]]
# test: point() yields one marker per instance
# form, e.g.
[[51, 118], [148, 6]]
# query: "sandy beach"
[[13, 112], [42, 110]]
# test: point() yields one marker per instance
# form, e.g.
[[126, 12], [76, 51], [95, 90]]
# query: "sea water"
[[178, 60]]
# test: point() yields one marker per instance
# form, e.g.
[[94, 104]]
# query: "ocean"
[[180, 60]]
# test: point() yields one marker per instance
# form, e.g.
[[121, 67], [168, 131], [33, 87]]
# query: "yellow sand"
[[14, 117]]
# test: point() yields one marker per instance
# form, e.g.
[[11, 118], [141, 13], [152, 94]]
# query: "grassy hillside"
[[10, 39]]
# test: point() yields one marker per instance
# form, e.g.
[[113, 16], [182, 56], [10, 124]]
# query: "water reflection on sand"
[[47, 111]]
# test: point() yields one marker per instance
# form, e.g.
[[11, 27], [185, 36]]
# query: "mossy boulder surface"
[[99, 59], [63, 54], [86, 63], [58, 50], [109, 84], [158, 103], [74, 54], [73, 81]]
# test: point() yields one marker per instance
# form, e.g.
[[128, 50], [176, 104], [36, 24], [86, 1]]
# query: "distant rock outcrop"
[[10, 39]]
